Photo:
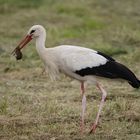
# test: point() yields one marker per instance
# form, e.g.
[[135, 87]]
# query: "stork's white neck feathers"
[[40, 43], [48, 56]]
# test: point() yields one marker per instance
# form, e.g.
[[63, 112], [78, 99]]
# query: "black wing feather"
[[106, 56], [111, 69]]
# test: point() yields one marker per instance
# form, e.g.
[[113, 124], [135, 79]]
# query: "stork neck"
[[40, 44]]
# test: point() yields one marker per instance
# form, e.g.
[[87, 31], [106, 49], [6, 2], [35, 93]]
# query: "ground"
[[36, 108]]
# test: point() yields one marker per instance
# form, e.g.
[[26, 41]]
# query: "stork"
[[82, 64]]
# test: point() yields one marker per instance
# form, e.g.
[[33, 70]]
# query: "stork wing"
[[78, 60]]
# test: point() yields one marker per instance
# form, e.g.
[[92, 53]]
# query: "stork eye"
[[32, 31]]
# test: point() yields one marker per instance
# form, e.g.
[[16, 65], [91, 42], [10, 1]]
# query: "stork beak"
[[26, 40]]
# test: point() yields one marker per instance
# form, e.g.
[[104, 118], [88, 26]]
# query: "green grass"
[[32, 106]]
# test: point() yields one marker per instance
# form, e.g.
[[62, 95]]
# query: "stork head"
[[35, 31]]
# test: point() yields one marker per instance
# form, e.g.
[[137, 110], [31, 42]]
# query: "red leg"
[[83, 106], [104, 94], [82, 88]]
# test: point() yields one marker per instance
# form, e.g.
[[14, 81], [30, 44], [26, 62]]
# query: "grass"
[[33, 107]]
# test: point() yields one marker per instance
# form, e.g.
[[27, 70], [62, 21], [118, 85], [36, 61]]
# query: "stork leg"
[[83, 106], [104, 94]]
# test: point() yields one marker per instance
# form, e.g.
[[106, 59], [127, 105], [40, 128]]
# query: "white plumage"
[[68, 59], [76, 58], [79, 63]]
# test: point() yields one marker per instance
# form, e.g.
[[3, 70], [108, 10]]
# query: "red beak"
[[27, 39]]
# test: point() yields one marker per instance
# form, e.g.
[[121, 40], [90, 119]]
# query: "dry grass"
[[33, 107]]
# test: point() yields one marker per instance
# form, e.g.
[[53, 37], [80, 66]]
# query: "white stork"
[[77, 62]]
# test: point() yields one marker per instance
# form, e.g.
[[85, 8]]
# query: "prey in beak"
[[17, 51]]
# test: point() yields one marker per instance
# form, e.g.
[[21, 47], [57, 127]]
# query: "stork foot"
[[93, 128]]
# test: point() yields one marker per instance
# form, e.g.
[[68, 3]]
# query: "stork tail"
[[135, 84]]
